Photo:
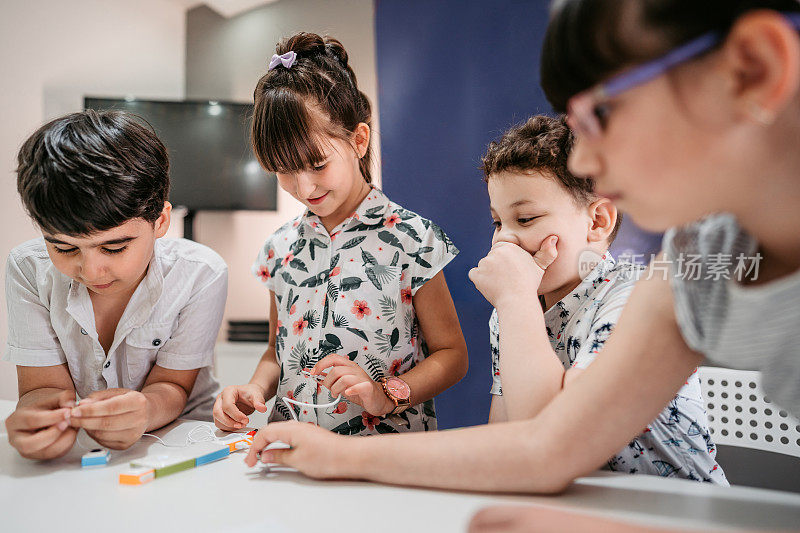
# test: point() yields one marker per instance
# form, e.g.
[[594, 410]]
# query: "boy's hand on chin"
[[508, 272], [115, 418]]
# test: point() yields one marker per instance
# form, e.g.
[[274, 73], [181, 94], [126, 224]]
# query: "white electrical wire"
[[209, 436], [289, 401]]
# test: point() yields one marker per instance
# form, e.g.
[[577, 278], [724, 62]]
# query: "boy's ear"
[[361, 139], [161, 224], [603, 214]]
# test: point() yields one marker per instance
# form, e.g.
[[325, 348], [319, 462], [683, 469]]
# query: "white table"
[[229, 496]]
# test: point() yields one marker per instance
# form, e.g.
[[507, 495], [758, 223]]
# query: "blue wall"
[[453, 75]]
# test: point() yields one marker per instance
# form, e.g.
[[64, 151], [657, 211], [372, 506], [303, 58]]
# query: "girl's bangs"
[[287, 137]]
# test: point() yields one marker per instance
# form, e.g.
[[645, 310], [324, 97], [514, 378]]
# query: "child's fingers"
[[282, 431], [115, 422], [281, 457], [344, 383], [62, 444], [230, 395], [329, 361], [334, 375], [114, 405], [255, 399], [229, 426], [218, 415], [547, 252], [32, 443], [358, 390], [222, 420], [233, 417], [32, 419], [66, 399]]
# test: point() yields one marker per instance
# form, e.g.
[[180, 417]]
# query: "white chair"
[[740, 415]]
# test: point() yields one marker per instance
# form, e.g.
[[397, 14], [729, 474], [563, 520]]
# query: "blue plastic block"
[[97, 457], [213, 456]]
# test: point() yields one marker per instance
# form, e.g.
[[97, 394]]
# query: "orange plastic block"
[[137, 476], [247, 440]]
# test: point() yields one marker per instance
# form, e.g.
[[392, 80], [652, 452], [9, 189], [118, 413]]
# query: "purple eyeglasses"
[[582, 109]]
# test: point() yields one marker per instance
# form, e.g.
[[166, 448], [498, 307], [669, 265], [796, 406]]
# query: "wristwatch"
[[398, 392]]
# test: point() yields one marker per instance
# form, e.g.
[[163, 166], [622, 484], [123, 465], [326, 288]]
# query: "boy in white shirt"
[[100, 306], [538, 350]]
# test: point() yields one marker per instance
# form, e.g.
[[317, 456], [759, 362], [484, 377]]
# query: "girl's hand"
[[115, 418], [41, 430], [235, 403], [348, 379], [315, 452], [507, 270]]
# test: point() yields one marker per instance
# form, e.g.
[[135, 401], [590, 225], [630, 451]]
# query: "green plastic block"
[[177, 467]]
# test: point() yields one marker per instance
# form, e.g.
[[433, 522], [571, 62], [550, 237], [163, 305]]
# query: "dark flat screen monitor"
[[212, 166]]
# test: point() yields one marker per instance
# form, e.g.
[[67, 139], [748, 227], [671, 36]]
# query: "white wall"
[[52, 53], [224, 60]]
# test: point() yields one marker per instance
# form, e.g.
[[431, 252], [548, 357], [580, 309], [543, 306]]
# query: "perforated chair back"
[[740, 415]]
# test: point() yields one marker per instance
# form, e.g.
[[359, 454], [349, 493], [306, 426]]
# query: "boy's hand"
[[115, 418], [41, 430], [315, 452], [235, 403], [345, 377], [507, 270]]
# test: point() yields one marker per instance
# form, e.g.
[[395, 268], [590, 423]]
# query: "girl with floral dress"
[[359, 307]]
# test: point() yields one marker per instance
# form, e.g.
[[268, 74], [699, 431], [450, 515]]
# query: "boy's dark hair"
[[92, 171], [542, 144], [589, 40], [296, 107]]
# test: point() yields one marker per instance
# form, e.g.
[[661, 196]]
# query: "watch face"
[[398, 388]]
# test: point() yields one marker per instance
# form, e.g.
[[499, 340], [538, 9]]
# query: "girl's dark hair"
[[542, 144], [589, 40], [297, 107], [92, 171]]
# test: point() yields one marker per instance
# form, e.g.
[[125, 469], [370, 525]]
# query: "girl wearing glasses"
[[687, 115]]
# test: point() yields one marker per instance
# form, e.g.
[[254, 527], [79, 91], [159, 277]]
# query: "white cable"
[[190, 439], [289, 401]]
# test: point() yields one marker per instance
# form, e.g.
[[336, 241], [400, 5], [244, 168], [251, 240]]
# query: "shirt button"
[[156, 342], [108, 364], [83, 332]]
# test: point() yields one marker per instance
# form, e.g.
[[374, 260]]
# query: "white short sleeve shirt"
[[732, 322], [171, 320]]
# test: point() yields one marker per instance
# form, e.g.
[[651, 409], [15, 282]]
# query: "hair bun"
[[334, 49], [303, 44], [307, 44]]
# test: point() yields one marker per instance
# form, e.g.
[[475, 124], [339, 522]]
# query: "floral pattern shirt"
[[351, 293], [677, 443]]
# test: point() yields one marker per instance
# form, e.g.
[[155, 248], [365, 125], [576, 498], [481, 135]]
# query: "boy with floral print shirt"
[[535, 203]]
